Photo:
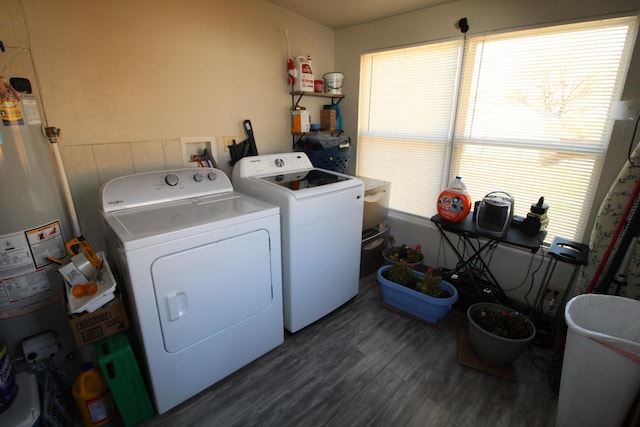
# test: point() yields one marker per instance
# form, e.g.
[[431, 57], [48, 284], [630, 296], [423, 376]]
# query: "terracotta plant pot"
[[405, 299], [493, 349]]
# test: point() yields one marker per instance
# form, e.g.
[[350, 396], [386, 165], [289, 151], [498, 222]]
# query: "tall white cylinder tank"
[[34, 225]]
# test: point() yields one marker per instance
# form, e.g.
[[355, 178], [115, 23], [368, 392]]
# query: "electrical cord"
[[531, 274], [533, 277], [633, 137], [524, 279], [552, 366], [441, 250]]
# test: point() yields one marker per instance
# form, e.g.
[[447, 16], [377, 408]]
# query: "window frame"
[[450, 169]]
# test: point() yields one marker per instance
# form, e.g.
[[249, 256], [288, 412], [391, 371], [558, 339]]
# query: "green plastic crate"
[[122, 373]]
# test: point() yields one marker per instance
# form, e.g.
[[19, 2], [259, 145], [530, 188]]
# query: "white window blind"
[[532, 119], [407, 99]]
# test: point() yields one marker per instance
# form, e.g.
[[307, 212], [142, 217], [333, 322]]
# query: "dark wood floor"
[[364, 365]]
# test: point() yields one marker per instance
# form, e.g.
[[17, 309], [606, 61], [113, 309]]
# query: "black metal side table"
[[568, 252], [476, 246]]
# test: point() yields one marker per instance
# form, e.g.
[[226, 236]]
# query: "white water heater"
[[34, 223]]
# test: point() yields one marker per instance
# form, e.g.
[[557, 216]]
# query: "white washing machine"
[[321, 222], [201, 266]]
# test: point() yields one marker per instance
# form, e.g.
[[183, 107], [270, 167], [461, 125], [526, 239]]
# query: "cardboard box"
[[300, 121], [104, 322], [327, 119]]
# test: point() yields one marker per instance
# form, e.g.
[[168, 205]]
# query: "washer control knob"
[[279, 162], [212, 176], [198, 177], [171, 179]]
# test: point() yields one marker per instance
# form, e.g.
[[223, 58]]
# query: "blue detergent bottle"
[[336, 108]]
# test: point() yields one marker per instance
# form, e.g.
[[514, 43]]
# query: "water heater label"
[[24, 282], [15, 258], [30, 111], [46, 241]]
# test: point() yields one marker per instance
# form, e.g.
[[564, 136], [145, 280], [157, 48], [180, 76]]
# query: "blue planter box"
[[416, 303]]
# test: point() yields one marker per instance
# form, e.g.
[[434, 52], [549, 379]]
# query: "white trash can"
[[601, 367]]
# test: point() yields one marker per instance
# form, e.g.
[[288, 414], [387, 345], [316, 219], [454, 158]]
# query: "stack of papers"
[[106, 288]]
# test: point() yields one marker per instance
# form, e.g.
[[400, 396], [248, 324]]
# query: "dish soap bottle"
[[454, 203]]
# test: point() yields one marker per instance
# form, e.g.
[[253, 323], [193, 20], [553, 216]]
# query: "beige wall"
[[484, 16], [125, 80]]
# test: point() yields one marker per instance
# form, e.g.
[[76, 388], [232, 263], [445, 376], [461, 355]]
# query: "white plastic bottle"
[[303, 74]]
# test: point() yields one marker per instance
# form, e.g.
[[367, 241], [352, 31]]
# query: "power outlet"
[[40, 347], [551, 301], [230, 140], [223, 155]]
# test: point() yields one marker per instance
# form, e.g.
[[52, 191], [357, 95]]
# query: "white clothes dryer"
[[321, 223], [201, 267]]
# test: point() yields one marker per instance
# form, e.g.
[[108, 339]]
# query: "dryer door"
[[204, 290]]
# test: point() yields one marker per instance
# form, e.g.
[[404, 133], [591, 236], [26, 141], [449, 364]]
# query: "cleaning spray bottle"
[[454, 203]]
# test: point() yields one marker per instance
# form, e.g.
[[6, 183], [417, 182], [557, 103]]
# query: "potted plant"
[[498, 334], [412, 255], [429, 284], [423, 295]]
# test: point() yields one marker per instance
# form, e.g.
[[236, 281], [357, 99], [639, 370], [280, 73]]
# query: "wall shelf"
[[335, 98], [296, 97]]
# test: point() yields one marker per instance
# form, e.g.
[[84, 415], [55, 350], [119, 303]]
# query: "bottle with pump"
[[537, 219], [93, 397], [454, 203]]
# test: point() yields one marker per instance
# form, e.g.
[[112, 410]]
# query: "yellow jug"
[[93, 397]]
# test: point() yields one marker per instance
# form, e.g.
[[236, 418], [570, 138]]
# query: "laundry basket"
[[327, 152], [601, 366]]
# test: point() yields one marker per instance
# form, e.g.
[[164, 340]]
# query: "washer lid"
[[305, 179]]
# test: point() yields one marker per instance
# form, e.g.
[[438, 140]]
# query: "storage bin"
[[601, 366], [327, 152], [25, 409], [373, 243]]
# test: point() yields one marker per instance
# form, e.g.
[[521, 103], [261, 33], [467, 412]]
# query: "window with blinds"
[[406, 112], [525, 112]]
